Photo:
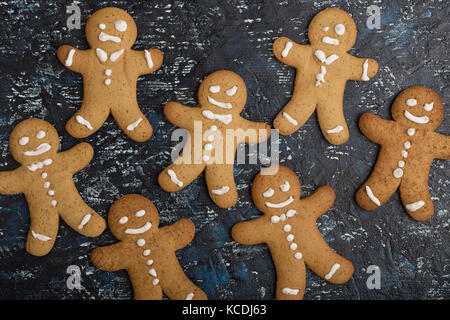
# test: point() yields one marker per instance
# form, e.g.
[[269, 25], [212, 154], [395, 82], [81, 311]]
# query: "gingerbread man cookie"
[[146, 251], [288, 227], [408, 145], [215, 129], [46, 178], [323, 68], [110, 70]]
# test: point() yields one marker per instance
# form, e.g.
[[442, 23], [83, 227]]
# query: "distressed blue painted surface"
[[199, 37]]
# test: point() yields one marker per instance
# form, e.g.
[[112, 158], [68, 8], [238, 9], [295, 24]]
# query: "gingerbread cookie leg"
[[295, 113], [221, 184], [43, 229], [143, 287], [415, 195], [78, 215], [133, 122], [177, 286], [332, 122], [379, 187], [291, 276], [88, 119], [326, 263]]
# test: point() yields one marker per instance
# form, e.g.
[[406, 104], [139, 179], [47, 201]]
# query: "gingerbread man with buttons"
[[46, 178], [215, 130], [110, 70], [288, 227], [408, 145], [323, 68], [146, 251]]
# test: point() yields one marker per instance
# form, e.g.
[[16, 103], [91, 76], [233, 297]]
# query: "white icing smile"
[[224, 105], [329, 40], [42, 148], [103, 37], [140, 230], [413, 118], [281, 204]]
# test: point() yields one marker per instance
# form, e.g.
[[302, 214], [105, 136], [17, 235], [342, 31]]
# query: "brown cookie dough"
[[46, 178], [288, 227], [110, 70], [408, 145], [323, 68], [146, 251]]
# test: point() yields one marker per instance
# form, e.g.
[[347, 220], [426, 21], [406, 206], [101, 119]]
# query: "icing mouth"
[[224, 118], [330, 40], [224, 105], [40, 149], [140, 230], [103, 37], [413, 118], [281, 204]]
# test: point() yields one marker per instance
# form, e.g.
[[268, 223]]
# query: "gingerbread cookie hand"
[[146, 251], [46, 178], [110, 70], [323, 67], [408, 145], [288, 227]]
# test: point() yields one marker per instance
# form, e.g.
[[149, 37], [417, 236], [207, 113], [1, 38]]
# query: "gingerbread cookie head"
[[133, 216], [275, 188], [418, 106], [33, 140], [223, 92], [111, 29], [332, 29]]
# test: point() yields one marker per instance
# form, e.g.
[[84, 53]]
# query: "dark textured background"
[[199, 37]]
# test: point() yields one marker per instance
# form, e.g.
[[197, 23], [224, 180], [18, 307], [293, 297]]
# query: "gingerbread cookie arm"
[[180, 115], [9, 182], [147, 61], [249, 232], [77, 158], [180, 233], [319, 202], [72, 58], [440, 147], [221, 184], [375, 128], [109, 258], [361, 69], [289, 52]]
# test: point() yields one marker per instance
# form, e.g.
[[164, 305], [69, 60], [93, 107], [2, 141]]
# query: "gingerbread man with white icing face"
[[288, 227], [323, 68], [110, 70], [146, 251], [215, 129], [408, 145], [46, 178]]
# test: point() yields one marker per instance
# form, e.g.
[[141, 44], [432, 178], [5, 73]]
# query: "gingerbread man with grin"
[[110, 70]]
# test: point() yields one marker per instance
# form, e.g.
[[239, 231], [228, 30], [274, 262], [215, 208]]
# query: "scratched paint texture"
[[199, 37]]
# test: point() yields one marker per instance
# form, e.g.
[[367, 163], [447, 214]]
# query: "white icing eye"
[[123, 220], [102, 26], [140, 213], [120, 25], [411, 102], [24, 141], [40, 134], [232, 91], [339, 29], [428, 106], [325, 29], [285, 186], [268, 193], [214, 89]]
